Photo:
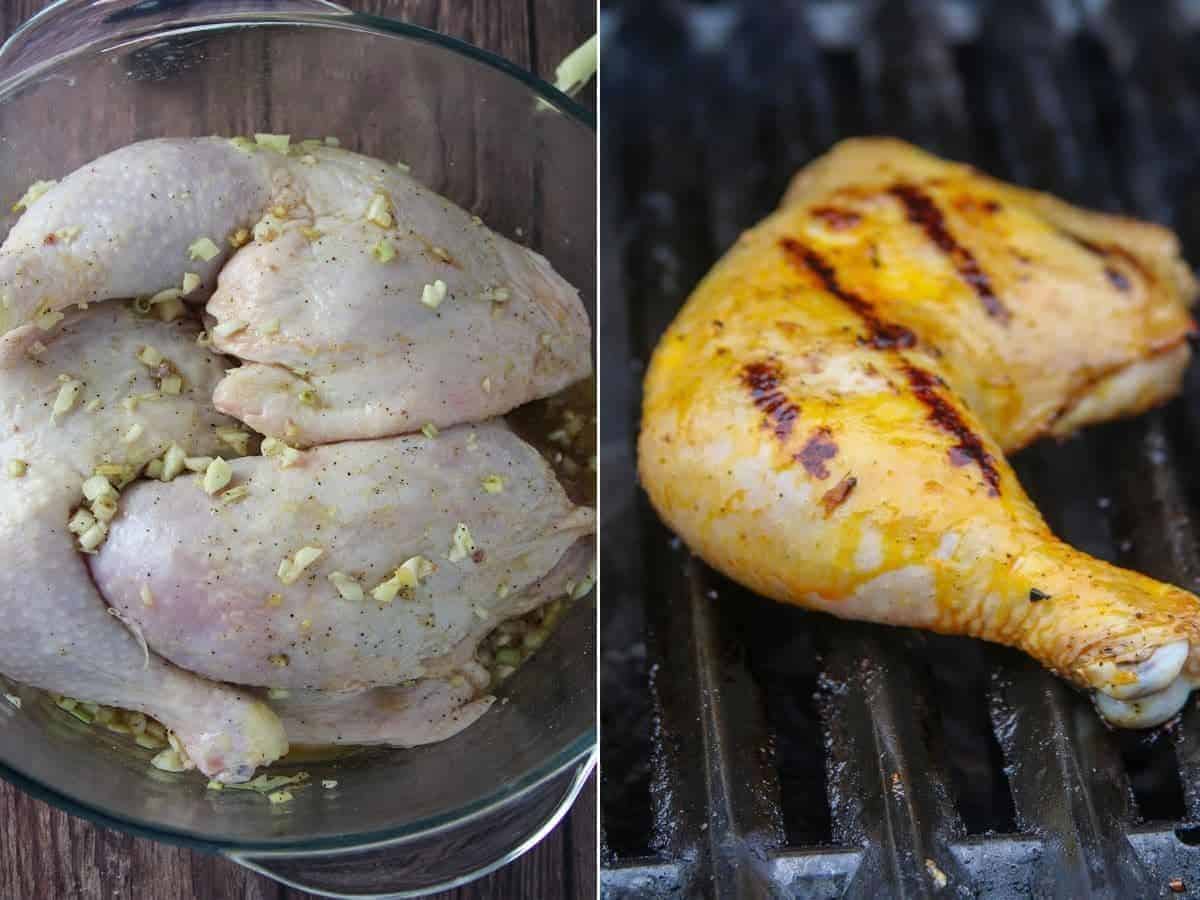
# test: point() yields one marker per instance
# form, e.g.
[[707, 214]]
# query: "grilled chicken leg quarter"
[[826, 419]]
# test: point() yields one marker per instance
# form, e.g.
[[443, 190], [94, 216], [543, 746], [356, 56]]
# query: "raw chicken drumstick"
[[364, 305], [826, 418], [58, 632]]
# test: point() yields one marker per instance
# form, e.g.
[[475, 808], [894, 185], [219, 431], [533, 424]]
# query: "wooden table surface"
[[46, 853]]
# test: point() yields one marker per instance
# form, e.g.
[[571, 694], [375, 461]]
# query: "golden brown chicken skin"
[[826, 419]]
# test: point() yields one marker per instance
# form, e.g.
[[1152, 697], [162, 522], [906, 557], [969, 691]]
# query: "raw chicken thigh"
[[367, 305], [58, 633], [477, 506], [354, 579]]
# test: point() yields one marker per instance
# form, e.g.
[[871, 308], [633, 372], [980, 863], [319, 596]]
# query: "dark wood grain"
[[47, 853]]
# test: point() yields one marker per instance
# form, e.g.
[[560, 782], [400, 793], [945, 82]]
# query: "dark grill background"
[[756, 750]]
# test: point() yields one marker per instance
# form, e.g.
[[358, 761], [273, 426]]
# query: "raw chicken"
[[59, 634], [221, 607], [825, 420], [345, 250]]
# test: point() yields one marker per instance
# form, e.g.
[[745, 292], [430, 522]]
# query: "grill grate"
[[756, 750]]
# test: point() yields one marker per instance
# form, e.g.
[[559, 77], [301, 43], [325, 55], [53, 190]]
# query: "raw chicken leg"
[[59, 634], [429, 709], [345, 251], [825, 420], [476, 502]]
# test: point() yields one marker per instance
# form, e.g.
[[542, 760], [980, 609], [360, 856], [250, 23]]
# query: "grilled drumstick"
[[825, 420]]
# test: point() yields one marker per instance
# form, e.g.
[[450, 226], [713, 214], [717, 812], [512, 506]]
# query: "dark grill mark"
[[1117, 279], [883, 335], [969, 448], [836, 495], [836, 218], [1112, 251], [1035, 595], [762, 379], [817, 451], [922, 211]]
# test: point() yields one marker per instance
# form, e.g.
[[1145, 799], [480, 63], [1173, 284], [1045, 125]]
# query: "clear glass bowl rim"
[[578, 751]]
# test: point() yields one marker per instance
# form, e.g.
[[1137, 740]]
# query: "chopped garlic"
[[308, 159], [493, 484], [172, 385], [486, 384], [279, 660], [165, 295], [92, 405], [98, 486], [379, 211], [81, 522], [146, 595], [463, 545], [170, 310], [274, 599], [347, 587], [411, 573], [480, 612], [275, 447], [197, 463], [234, 494], [312, 234], [429, 430], [278, 797], [383, 250], [443, 254], [268, 228], [135, 431], [105, 508], [31, 194], [279, 693], [432, 295], [496, 295], [191, 281], [546, 339], [277, 142], [17, 468], [16, 701], [235, 438], [308, 397], [170, 760], [239, 238], [585, 585], [329, 784], [227, 329], [93, 537], [47, 320], [154, 468], [578, 67], [173, 462], [290, 568], [203, 249], [149, 356], [217, 475]]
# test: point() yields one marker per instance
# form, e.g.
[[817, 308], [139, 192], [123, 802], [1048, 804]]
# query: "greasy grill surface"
[[756, 750]]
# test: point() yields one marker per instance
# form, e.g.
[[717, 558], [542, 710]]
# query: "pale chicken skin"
[[826, 418], [58, 631], [324, 300], [221, 609]]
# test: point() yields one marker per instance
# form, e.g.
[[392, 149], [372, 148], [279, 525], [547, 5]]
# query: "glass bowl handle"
[[70, 24], [439, 859]]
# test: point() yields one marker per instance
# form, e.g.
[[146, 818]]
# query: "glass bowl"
[[83, 78]]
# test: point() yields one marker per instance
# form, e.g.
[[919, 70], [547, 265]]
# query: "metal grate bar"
[[888, 791]]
